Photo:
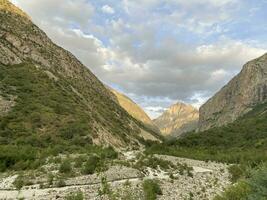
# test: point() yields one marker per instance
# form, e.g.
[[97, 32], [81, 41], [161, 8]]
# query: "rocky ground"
[[199, 180]]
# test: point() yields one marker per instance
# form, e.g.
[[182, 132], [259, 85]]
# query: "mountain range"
[[104, 115], [48, 89], [178, 119]]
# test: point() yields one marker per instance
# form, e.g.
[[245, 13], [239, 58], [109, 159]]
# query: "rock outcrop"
[[239, 96], [134, 110], [22, 42], [178, 119]]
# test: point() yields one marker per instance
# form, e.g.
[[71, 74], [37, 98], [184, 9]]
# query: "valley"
[[65, 134], [124, 176]]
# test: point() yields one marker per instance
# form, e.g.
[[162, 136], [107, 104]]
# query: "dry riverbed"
[[192, 180]]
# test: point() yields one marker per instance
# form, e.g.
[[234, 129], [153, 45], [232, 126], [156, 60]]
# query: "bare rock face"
[[178, 119], [239, 96], [23, 42], [133, 109]]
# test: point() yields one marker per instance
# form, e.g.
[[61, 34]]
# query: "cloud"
[[157, 52], [107, 9], [60, 12]]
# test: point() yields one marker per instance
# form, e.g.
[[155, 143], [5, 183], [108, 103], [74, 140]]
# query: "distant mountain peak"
[[177, 119]]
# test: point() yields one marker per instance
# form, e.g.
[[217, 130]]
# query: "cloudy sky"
[[157, 52]]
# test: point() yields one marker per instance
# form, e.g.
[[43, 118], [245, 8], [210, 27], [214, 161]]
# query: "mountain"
[[134, 110], [48, 97], [238, 97], [178, 119]]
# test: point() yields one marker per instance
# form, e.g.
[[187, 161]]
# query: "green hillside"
[[47, 118], [245, 140]]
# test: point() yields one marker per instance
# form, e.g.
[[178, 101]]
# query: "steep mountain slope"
[[239, 96], [46, 92], [178, 119], [242, 141], [134, 110]]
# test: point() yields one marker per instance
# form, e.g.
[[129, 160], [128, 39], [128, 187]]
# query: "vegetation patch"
[[153, 162], [75, 196], [151, 189]]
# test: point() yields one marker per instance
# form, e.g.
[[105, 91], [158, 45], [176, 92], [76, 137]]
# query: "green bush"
[[254, 187], [61, 183], [236, 172], [91, 165], [151, 189], [50, 119], [76, 196], [153, 162], [65, 166], [236, 192], [19, 182], [258, 184], [79, 161], [109, 153], [50, 179]]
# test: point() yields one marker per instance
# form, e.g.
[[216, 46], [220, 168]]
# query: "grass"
[[243, 143], [151, 189], [47, 119]]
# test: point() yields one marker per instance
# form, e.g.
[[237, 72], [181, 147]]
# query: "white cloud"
[[157, 61], [154, 112], [108, 9]]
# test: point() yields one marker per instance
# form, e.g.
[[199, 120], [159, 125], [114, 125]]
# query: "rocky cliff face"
[[22, 42], [239, 96], [134, 110], [178, 119]]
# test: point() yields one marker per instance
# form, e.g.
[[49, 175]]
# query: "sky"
[[157, 52]]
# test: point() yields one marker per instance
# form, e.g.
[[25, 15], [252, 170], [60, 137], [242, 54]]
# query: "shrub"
[[79, 161], [106, 189], [258, 184], [109, 153], [153, 162], [61, 183], [91, 165], [65, 167], [50, 179], [19, 182], [239, 191], [151, 189], [236, 172], [76, 196]]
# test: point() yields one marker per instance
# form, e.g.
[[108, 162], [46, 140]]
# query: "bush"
[[50, 179], [236, 172], [19, 182], [236, 192], [109, 153], [79, 161], [65, 167], [153, 162], [252, 188], [151, 189], [92, 164], [258, 184], [76, 196], [61, 183]]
